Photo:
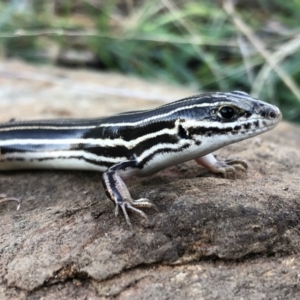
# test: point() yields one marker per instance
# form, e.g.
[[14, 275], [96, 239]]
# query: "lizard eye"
[[227, 113]]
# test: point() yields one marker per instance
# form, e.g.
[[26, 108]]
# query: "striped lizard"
[[139, 142]]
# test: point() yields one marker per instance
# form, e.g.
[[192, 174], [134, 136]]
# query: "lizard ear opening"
[[182, 133]]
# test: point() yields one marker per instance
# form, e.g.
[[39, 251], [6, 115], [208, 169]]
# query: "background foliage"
[[211, 45]]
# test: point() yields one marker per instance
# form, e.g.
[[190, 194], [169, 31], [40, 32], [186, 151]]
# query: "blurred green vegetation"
[[197, 43]]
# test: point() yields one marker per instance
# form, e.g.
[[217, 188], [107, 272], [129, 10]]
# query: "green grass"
[[197, 43]]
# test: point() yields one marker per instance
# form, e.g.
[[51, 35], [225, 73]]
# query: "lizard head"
[[226, 118], [244, 114]]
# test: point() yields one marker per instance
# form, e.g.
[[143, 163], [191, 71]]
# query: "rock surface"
[[213, 238]]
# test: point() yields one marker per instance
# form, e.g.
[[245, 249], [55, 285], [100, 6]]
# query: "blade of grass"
[[206, 57], [258, 44], [282, 52]]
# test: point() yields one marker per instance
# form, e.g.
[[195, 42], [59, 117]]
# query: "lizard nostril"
[[272, 114]]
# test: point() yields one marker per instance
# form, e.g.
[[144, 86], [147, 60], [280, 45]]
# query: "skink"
[[139, 142]]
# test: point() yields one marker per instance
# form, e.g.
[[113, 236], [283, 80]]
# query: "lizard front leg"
[[117, 191], [221, 166]]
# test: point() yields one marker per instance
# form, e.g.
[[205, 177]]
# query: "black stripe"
[[110, 187], [137, 116], [129, 133], [123, 132], [109, 152], [94, 162], [12, 159], [211, 131], [133, 116], [124, 165], [34, 148], [142, 163], [49, 134], [91, 161], [54, 123], [149, 143], [111, 174], [117, 151]]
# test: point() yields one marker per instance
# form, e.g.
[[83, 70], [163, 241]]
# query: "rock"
[[213, 238]]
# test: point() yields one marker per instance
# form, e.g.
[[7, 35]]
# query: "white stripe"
[[189, 99], [176, 146], [190, 123], [198, 97], [55, 163], [55, 154], [71, 127], [97, 142], [230, 95], [155, 117]]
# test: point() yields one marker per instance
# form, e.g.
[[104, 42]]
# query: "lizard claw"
[[230, 167], [223, 167], [130, 204]]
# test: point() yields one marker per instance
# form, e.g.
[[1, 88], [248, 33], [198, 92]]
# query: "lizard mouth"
[[264, 120], [274, 114], [271, 117], [270, 114]]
